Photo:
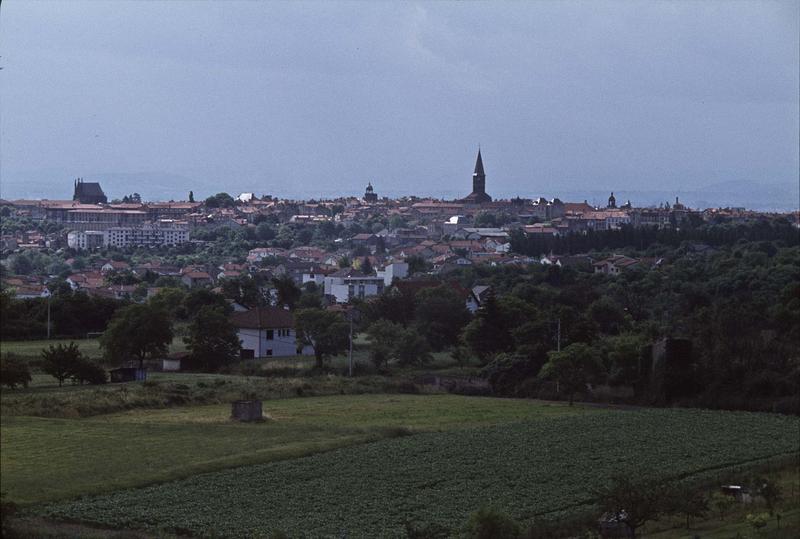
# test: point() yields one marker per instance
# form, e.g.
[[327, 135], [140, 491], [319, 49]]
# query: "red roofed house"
[[266, 332], [115, 265], [615, 264], [196, 278]]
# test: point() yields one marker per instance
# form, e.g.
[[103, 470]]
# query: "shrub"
[[8, 510], [490, 523], [88, 371], [14, 372]]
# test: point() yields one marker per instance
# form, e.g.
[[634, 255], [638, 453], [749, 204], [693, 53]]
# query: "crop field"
[[49, 459], [536, 468]]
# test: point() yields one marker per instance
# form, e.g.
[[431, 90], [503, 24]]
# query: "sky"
[[310, 99]]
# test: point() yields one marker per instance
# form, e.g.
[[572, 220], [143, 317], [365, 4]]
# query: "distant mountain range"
[[169, 186]]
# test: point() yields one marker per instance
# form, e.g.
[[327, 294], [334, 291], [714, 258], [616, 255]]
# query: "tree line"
[[643, 238]]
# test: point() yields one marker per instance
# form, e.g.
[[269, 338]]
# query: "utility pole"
[[350, 354], [558, 349], [352, 315], [48, 316], [558, 337]]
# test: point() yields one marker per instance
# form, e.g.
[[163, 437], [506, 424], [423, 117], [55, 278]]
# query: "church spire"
[[478, 195], [479, 165]]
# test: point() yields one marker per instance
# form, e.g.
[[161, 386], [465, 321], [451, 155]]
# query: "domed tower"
[[612, 202], [370, 195]]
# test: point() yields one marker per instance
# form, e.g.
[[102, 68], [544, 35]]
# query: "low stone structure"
[[247, 410]]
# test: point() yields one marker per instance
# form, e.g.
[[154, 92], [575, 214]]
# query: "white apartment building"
[[348, 283], [91, 239], [156, 234]]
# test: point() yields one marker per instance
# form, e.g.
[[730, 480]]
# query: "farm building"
[[266, 332], [128, 374]]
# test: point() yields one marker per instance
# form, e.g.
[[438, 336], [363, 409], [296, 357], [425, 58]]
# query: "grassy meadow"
[[32, 349], [541, 467], [48, 459], [164, 457]]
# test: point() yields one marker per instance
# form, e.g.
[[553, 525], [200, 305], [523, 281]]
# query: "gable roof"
[[263, 318]]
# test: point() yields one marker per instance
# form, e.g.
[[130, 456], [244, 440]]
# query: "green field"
[[540, 467], [47, 459], [90, 347]]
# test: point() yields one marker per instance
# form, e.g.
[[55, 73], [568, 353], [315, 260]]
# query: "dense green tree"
[[486, 334], [170, 300], [201, 297], [14, 372], [309, 300], [634, 502], [609, 317], [392, 305], [21, 265], [624, 356], [88, 371], [383, 337], [137, 332], [265, 232], [687, 500], [366, 266], [212, 339], [220, 200], [60, 361], [243, 289], [389, 341], [485, 219], [505, 372], [440, 315], [573, 368], [416, 264], [287, 293], [326, 331], [413, 349]]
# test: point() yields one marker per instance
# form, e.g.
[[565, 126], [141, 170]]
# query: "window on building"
[[270, 334]]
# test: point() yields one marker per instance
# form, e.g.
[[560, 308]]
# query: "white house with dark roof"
[[266, 332]]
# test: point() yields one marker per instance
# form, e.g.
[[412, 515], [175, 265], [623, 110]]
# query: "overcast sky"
[[300, 99]]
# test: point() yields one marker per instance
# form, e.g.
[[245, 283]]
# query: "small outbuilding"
[[247, 410], [128, 374]]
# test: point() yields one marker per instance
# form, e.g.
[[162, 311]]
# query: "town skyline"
[[726, 194], [566, 99]]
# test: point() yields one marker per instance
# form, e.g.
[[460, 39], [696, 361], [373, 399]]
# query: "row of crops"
[[529, 469]]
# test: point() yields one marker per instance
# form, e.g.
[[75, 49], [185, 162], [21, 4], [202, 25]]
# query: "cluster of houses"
[[89, 221]]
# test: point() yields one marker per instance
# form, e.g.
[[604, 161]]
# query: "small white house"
[[266, 332]]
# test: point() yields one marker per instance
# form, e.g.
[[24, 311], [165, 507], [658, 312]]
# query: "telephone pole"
[[558, 336], [48, 316]]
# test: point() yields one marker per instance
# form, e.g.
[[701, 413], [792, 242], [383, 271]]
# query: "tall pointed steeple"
[[478, 195], [479, 165]]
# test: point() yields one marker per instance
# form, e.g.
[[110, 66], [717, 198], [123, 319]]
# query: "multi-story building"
[[349, 283], [146, 235], [90, 239]]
